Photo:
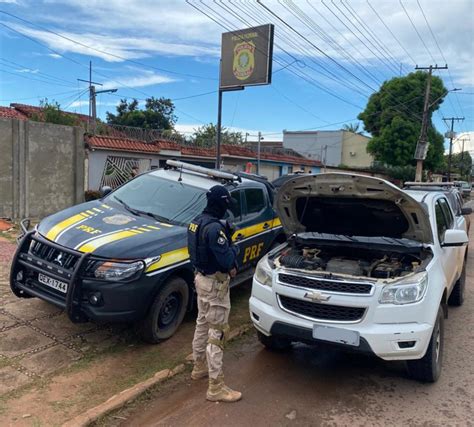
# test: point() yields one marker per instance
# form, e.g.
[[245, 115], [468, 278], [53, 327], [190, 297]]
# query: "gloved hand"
[[230, 229]]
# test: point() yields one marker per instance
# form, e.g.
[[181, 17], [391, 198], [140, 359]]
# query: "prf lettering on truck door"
[[252, 252]]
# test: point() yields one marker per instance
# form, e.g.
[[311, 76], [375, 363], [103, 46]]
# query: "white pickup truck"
[[367, 266]]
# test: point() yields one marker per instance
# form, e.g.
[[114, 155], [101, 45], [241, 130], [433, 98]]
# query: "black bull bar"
[[24, 259]]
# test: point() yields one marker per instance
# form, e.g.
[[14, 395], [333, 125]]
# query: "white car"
[[367, 266]]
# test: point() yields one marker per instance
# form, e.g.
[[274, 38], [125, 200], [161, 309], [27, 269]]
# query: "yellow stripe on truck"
[[101, 241], [53, 233], [169, 258]]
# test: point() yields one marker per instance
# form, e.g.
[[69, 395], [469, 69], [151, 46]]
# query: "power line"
[[32, 78], [416, 30], [36, 72], [38, 96], [388, 58], [442, 55], [164, 70], [390, 31], [352, 32]]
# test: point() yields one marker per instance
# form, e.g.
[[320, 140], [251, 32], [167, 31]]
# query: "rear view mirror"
[[466, 211], [455, 238], [105, 190]]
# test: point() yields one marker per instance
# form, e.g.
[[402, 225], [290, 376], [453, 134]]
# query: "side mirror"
[[455, 238], [466, 211], [105, 190]]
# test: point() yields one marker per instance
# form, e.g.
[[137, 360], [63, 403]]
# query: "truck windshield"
[[167, 200]]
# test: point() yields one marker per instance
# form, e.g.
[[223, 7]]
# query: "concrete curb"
[[132, 393]]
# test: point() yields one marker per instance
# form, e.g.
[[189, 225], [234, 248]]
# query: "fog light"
[[255, 316], [95, 298], [19, 276], [406, 344]]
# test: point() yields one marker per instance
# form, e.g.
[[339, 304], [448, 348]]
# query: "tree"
[[157, 114], [393, 117], [206, 136], [51, 113], [461, 163], [352, 127]]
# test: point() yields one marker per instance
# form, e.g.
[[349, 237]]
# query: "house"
[[109, 160], [331, 147], [12, 113]]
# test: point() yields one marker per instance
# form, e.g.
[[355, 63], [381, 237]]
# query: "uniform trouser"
[[212, 322]]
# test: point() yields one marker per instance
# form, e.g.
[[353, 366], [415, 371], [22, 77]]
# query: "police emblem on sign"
[[244, 60]]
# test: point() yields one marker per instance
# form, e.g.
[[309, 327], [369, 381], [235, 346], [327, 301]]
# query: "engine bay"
[[353, 261]]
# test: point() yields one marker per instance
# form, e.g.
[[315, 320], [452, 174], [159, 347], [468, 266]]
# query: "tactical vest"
[[198, 250]]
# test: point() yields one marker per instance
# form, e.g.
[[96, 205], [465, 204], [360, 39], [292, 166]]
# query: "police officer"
[[214, 258]]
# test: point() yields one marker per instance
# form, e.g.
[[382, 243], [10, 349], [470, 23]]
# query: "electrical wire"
[[416, 30], [38, 96], [34, 79], [164, 70], [391, 32]]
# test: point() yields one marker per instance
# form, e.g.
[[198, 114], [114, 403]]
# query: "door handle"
[[239, 236], [266, 226]]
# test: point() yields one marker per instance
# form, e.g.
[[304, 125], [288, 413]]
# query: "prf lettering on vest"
[[252, 252], [193, 227]]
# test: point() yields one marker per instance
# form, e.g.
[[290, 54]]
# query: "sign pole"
[[218, 130]]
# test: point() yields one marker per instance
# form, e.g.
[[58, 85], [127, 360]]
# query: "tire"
[[428, 368], [456, 298], [274, 343], [166, 312]]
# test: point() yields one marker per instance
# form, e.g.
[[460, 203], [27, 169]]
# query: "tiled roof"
[[231, 151], [29, 110], [11, 113]]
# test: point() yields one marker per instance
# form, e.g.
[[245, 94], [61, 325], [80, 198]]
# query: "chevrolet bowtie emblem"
[[317, 296]]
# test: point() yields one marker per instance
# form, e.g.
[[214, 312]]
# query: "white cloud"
[[147, 79], [54, 55], [85, 103]]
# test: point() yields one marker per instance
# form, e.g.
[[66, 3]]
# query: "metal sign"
[[246, 57], [421, 150]]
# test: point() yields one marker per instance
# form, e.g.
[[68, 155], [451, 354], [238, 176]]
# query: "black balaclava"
[[218, 201]]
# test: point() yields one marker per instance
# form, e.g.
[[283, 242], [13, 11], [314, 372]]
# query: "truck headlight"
[[113, 271], [408, 292], [263, 272]]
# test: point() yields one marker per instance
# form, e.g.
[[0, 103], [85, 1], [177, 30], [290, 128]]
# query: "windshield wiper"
[[130, 209]]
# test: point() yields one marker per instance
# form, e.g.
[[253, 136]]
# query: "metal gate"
[[118, 170]]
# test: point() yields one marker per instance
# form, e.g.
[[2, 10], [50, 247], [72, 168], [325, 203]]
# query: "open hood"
[[351, 205]]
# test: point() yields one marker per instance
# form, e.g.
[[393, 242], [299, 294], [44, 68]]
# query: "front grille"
[[54, 256], [323, 285], [322, 311]]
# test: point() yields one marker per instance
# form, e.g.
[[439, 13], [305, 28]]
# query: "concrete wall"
[[41, 168], [313, 144], [354, 150]]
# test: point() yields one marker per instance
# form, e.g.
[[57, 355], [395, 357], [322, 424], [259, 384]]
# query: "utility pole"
[[258, 152], [450, 135], [422, 145], [91, 125]]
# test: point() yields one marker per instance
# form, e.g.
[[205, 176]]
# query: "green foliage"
[[393, 117], [157, 114], [461, 163], [206, 136], [352, 127], [51, 113], [399, 173]]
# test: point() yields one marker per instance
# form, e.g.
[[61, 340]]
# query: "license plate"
[[52, 283], [337, 335]]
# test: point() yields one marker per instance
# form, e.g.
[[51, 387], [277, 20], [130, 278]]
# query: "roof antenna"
[[180, 174]]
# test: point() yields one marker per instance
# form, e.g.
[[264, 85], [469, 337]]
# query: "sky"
[[329, 56]]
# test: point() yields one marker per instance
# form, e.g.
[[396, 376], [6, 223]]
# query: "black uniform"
[[209, 240]]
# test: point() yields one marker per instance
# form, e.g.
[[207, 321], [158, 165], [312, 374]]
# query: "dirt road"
[[314, 386]]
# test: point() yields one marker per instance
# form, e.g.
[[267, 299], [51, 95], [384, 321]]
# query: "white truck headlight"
[[263, 272], [409, 292], [118, 270]]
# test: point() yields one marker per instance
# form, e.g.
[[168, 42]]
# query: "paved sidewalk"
[[36, 338]]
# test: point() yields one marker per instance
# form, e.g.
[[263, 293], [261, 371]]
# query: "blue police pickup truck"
[[124, 258]]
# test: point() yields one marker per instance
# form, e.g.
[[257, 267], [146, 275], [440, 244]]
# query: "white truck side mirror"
[[455, 238]]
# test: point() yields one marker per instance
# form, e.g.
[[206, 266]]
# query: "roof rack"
[[176, 164], [428, 184]]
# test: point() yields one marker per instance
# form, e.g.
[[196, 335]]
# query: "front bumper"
[[386, 340], [116, 301]]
